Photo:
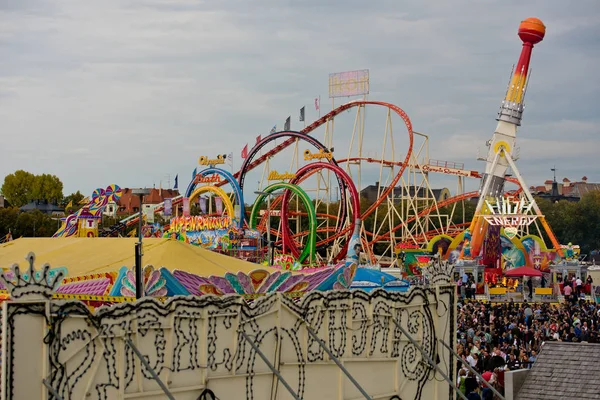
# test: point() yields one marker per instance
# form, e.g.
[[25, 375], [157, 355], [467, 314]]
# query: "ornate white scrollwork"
[[33, 284]]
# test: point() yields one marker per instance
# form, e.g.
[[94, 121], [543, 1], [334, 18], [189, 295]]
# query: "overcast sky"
[[129, 91]]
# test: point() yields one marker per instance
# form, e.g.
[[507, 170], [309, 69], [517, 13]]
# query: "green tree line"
[[21, 187], [576, 222]]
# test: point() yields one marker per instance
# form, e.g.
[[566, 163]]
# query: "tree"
[[18, 187], [575, 222], [21, 187], [75, 198], [26, 224], [8, 220], [47, 187]]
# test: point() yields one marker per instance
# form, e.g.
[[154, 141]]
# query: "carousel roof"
[[83, 256]]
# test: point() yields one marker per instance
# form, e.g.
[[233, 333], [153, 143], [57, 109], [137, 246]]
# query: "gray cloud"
[[127, 91]]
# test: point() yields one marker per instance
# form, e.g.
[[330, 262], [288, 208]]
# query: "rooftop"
[[42, 205], [564, 370]]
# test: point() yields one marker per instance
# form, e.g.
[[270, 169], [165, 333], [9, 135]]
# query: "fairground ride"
[[377, 170]]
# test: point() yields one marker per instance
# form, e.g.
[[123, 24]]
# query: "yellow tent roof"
[[83, 256]]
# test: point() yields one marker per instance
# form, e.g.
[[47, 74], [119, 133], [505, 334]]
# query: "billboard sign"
[[509, 213], [349, 83]]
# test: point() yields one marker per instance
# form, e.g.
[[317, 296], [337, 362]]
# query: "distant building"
[[3, 202], [565, 190], [370, 193], [44, 206], [111, 209], [129, 203]]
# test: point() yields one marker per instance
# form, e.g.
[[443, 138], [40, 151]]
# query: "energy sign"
[[509, 213]]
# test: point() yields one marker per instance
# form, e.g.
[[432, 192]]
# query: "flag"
[[69, 206], [288, 124], [230, 159], [258, 138], [149, 214], [316, 103], [168, 207], [245, 151], [273, 129], [302, 114], [176, 184]]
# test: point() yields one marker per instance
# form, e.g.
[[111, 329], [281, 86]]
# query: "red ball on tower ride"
[[532, 30]]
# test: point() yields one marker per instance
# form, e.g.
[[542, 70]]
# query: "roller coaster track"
[[437, 205], [401, 164], [425, 168], [357, 103]]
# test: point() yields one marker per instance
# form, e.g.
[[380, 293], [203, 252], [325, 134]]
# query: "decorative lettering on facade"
[[514, 220], [445, 170], [276, 176], [203, 160], [504, 206], [509, 212], [199, 223], [207, 179], [321, 154]]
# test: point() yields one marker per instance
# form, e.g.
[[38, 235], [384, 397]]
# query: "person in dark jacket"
[[471, 384]]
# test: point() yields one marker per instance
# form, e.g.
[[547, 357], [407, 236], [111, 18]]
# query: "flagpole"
[[319, 106]]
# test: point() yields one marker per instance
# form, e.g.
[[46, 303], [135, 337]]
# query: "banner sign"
[[186, 207], [219, 205], [349, 83], [276, 176], [168, 208], [207, 179], [449, 171], [149, 213], [317, 156], [202, 203], [221, 158], [199, 223], [509, 212], [208, 232]]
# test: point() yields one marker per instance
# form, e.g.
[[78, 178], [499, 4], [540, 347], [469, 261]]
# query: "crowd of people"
[[493, 338]]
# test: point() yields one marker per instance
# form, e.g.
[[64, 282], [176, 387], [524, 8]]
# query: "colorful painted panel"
[[537, 254], [512, 255], [261, 281], [157, 283], [414, 261], [96, 285]]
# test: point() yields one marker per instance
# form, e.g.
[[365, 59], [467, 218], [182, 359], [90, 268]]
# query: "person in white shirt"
[[579, 286], [472, 359]]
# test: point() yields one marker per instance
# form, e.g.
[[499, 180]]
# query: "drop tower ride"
[[502, 144]]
